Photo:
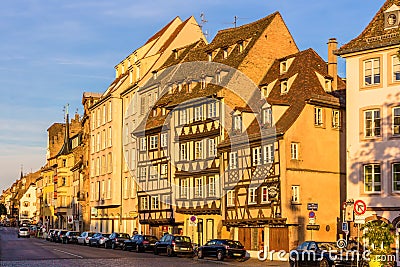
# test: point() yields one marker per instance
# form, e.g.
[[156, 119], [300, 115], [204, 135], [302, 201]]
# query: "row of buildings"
[[237, 138]]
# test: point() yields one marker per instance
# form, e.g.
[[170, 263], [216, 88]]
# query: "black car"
[[140, 243], [222, 248], [70, 237], [116, 240], [58, 237], [323, 254], [173, 245]]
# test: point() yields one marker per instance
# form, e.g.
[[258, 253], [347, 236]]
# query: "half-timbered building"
[[289, 156]]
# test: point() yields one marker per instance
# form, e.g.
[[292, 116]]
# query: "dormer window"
[[240, 44], [209, 56], [176, 54], [218, 78], [225, 53], [203, 83], [328, 84], [283, 66], [155, 112], [163, 111], [155, 75], [237, 123], [284, 86], [392, 17], [266, 117]]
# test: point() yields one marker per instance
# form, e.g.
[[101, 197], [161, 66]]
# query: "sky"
[[51, 51]]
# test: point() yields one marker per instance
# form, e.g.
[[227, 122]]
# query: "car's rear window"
[[182, 239], [150, 238], [123, 235], [90, 234], [234, 244], [106, 235], [23, 229]]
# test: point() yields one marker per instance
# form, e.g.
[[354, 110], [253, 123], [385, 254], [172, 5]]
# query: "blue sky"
[[51, 51]]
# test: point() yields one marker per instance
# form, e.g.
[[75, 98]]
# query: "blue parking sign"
[[345, 227]]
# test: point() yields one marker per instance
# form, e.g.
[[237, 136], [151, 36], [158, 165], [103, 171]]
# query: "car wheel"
[[200, 254], [155, 251], [220, 255], [124, 247], [324, 263], [113, 245], [170, 253], [293, 263], [18, 236], [137, 248]]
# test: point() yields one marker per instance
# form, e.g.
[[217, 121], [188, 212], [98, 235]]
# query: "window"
[[143, 144], [372, 73], [396, 121], [372, 123], [225, 53], [143, 203], [183, 119], [153, 141], [164, 170], [212, 110], [211, 186], [294, 151], [198, 148], [109, 136], [264, 194], [142, 105], [240, 47], [328, 85], [257, 156], [318, 116], [237, 123], [295, 194], [212, 148], [209, 56], [109, 114], [230, 198], [164, 140], [109, 163], [372, 178], [284, 87], [266, 117], [335, 119], [198, 187], [396, 176], [268, 153], [252, 195], [184, 151], [184, 188], [109, 188], [142, 173], [126, 187], [154, 203], [198, 113], [396, 68], [233, 160], [283, 66], [153, 172]]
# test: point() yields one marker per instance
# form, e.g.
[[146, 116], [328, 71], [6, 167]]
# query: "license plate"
[[184, 248], [237, 254]]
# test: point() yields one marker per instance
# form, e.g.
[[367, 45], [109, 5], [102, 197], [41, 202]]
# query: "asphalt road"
[[22, 252]]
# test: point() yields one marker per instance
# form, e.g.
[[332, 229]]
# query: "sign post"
[[359, 209]]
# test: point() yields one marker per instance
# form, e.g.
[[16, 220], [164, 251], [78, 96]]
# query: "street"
[[16, 251]]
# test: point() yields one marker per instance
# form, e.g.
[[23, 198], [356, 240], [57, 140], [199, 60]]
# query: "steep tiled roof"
[[306, 86], [173, 36], [161, 32], [374, 35]]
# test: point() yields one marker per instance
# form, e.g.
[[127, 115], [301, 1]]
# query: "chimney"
[[332, 61]]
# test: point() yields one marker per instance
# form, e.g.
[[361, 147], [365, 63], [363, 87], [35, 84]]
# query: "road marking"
[[69, 253]]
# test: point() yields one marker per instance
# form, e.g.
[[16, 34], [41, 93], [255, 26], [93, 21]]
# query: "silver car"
[[83, 239], [24, 232]]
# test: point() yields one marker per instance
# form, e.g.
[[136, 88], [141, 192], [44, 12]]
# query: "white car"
[[24, 232], [83, 239]]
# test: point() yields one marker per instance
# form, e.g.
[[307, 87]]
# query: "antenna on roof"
[[235, 19], [203, 21]]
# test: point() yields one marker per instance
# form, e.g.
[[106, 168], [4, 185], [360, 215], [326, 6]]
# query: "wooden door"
[[279, 238]]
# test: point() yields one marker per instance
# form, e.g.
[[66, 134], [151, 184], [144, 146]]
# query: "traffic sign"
[[359, 219], [311, 214], [193, 220], [360, 207], [311, 220], [345, 227], [312, 206]]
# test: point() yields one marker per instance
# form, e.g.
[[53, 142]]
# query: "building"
[[113, 187], [373, 82], [27, 203]]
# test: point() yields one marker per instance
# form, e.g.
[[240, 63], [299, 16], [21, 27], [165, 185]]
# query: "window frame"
[[230, 198], [295, 194], [153, 142], [294, 151], [252, 195], [373, 123], [198, 187], [318, 116], [235, 161], [393, 122], [373, 182], [264, 193], [372, 69]]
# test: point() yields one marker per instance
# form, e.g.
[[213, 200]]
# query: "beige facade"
[[373, 78]]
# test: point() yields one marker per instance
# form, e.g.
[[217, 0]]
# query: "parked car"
[[116, 240], [323, 254], [222, 248], [98, 240], [23, 232], [83, 239], [60, 235], [33, 230], [70, 237], [140, 243], [173, 245], [54, 235]]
